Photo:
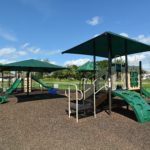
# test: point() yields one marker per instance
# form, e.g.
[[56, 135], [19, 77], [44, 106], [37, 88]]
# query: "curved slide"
[[145, 92], [140, 107], [40, 82], [10, 90]]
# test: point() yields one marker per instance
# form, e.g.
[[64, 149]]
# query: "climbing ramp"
[[140, 107]]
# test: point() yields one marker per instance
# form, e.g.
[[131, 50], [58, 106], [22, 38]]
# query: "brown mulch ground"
[[29, 123]]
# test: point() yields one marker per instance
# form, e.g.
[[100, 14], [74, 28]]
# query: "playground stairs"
[[88, 103]]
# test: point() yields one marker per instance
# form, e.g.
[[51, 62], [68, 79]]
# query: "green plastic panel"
[[140, 107]]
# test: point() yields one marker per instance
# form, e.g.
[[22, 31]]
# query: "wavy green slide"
[[145, 92], [41, 82], [140, 107], [9, 91]]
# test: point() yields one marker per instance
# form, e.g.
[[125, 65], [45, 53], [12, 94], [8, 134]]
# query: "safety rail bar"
[[77, 91], [95, 91]]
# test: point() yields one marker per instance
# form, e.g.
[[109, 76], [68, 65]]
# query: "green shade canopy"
[[99, 46], [88, 66], [31, 65]]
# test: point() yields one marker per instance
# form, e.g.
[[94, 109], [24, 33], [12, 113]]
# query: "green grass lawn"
[[62, 84]]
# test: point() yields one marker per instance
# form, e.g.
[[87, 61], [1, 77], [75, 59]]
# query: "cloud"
[[22, 53], [54, 52], [94, 21], [5, 61], [7, 51], [96, 35], [34, 50], [143, 38], [133, 60], [10, 54], [7, 35], [77, 62], [124, 34], [25, 45]]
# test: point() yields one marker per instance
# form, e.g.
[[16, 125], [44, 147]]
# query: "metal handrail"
[[77, 98], [95, 92]]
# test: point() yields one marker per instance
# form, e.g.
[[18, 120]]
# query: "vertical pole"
[[94, 59], [69, 108], [94, 65], [22, 83], [9, 79], [28, 83], [126, 63], [77, 113], [140, 70], [109, 71], [2, 80]]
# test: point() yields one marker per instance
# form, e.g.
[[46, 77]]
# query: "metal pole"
[[126, 63], [94, 59], [69, 108], [2, 80], [109, 71], [77, 116], [140, 70], [28, 83], [94, 67], [9, 79]]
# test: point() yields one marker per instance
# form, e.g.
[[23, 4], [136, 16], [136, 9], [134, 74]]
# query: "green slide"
[[41, 82], [10, 91], [145, 92], [140, 107]]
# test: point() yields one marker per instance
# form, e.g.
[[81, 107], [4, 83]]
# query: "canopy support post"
[[140, 69], [9, 79], [94, 67], [126, 63], [2, 81], [109, 71], [28, 82], [94, 59]]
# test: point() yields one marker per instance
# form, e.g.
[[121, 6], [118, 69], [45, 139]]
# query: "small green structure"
[[28, 66], [87, 67], [32, 65]]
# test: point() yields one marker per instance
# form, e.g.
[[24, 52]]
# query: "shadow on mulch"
[[36, 97], [128, 113], [119, 106]]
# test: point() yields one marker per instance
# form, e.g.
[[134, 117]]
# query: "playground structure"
[[23, 82], [116, 45], [25, 77]]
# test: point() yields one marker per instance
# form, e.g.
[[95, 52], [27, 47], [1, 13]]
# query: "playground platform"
[[38, 122]]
